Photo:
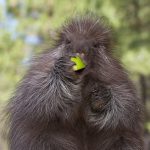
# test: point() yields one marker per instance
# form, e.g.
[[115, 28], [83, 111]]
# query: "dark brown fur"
[[55, 108]]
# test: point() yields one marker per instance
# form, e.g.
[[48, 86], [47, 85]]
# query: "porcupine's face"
[[85, 35]]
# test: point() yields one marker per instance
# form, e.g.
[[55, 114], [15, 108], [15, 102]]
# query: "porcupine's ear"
[[98, 31], [64, 34]]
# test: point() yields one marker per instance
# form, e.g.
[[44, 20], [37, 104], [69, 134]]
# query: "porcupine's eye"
[[96, 44], [67, 41]]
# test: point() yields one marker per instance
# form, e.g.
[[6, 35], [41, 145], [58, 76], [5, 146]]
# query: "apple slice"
[[79, 64]]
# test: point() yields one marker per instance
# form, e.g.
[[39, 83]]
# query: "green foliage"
[[147, 126], [137, 62], [10, 58]]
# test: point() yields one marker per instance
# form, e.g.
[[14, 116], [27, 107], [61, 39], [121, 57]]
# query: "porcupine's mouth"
[[80, 71], [79, 63]]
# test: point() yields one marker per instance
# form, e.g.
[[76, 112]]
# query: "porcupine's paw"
[[99, 98]]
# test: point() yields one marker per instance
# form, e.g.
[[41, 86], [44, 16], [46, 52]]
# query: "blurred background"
[[26, 28]]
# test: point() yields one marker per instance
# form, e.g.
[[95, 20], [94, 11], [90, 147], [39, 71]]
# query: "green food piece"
[[79, 64]]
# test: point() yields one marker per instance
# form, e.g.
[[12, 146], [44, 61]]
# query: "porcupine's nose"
[[80, 46]]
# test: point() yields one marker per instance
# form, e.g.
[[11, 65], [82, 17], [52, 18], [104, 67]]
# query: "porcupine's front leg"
[[111, 113]]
